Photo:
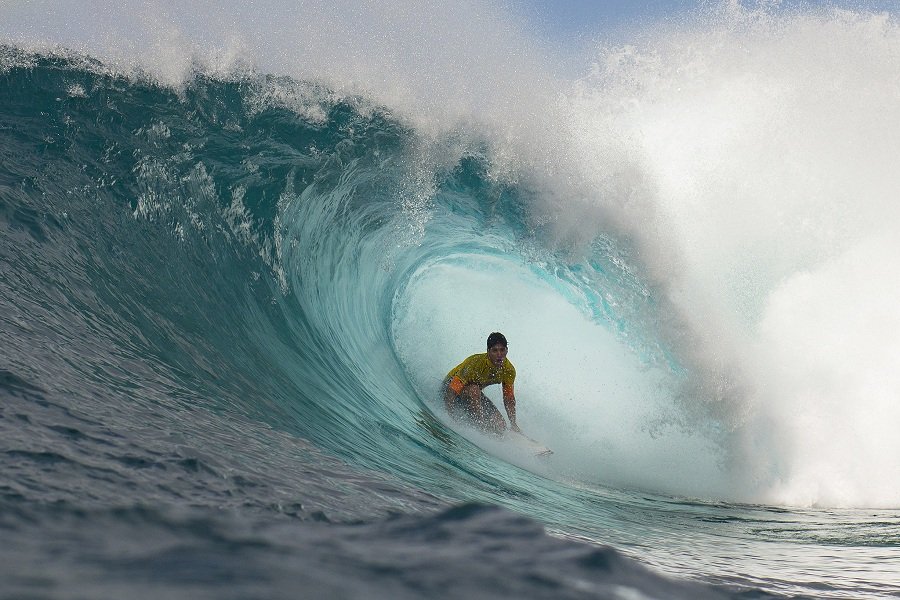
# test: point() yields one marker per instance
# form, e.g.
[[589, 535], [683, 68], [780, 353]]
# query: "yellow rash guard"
[[479, 369]]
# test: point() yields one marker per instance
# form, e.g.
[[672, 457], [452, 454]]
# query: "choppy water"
[[233, 280]]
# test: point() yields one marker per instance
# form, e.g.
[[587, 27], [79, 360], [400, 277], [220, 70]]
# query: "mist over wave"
[[704, 278], [754, 169]]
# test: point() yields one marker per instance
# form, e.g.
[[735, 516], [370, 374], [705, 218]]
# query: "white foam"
[[752, 158]]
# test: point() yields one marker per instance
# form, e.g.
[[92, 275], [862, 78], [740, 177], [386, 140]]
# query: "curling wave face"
[[714, 163]]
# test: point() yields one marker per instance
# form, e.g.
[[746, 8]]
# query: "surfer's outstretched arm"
[[509, 403]]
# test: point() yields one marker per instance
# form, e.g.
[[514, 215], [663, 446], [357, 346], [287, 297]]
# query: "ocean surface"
[[239, 253]]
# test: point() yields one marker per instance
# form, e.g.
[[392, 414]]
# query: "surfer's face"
[[497, 354]]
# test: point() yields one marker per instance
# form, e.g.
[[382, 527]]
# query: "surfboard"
[[527, 443]]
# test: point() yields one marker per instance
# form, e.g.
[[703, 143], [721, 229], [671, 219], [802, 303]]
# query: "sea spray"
[[756, 175]]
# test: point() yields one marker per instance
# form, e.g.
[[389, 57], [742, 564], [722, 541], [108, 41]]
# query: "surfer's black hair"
[[496, 338]]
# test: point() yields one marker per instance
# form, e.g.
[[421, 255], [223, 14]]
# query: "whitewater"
[[242, 244]]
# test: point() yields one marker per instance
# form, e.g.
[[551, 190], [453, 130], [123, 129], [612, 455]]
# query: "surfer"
[[462, 388]]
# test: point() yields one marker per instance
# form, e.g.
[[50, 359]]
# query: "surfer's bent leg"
[[462, 404], [490, 417], [471, 394], [471, 404], [448, 396], [482, 410]]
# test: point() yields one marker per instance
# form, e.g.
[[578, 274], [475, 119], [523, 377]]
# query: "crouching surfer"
[[462, 388]]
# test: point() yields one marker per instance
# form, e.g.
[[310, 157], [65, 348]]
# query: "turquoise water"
[[229, 299]]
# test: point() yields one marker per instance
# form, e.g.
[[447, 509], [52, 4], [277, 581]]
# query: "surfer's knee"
[[471, 394], [471, 391]]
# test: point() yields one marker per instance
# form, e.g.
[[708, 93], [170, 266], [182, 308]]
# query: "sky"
[[565, 19], [572, 21], [558, 18], [571, 30]]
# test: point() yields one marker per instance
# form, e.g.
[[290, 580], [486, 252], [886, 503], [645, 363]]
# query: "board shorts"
[[460, 410]]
